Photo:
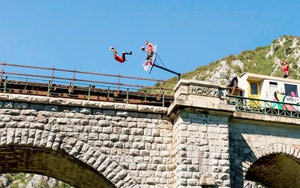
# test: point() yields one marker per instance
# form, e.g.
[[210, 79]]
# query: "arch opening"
[[275, 171], [56, 164], [24, 180]]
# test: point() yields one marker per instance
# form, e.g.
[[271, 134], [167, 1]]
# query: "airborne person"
[[149, 51], [119, 58]]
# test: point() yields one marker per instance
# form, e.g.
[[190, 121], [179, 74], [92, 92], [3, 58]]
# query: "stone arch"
[[265, 152], [22, 142]]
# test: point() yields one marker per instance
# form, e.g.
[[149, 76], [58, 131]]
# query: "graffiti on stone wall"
[[206, 91]]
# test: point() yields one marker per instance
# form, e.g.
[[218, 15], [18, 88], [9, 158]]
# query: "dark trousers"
[[124, 54]]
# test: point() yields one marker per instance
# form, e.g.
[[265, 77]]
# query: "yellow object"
[[254, 93]]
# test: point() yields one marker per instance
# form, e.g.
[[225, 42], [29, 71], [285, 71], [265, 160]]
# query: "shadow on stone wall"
[[57, 164], [275, 170], [250, 144]]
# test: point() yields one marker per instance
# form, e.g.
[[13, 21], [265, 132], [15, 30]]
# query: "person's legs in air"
[[149, 60], [149, 57], [126, 53]]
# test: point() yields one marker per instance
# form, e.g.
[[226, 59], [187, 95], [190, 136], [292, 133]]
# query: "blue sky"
[[189, 33]]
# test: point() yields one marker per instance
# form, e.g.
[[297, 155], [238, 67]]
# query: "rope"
[[160, 60]]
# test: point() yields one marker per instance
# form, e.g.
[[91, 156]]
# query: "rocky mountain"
[[263, 60]]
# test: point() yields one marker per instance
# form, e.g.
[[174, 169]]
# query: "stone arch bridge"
[[198, 141]]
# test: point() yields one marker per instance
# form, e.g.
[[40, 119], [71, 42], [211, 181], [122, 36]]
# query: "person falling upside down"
[[119, 58], [149, 53]]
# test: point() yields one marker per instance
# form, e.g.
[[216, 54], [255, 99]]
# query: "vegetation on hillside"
[[22, 180], [263, 60]]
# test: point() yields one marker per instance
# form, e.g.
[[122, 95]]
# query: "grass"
[[17, 179], [254, 61], [62, 185]]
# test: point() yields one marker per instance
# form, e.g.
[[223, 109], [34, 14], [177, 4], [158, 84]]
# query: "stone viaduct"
[[199, 141]]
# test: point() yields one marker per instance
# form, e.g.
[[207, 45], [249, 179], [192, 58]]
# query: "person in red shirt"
[[119, 58], [149, 52], [285, 69]]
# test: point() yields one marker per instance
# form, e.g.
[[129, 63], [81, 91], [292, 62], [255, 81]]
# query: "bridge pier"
[[200, 135]]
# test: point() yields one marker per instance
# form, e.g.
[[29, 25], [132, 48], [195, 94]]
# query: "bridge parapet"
[[200, 88], [52, 104], [200, 95]]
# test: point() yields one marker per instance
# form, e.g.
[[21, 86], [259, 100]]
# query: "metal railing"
[[265, 107], [109, 83]]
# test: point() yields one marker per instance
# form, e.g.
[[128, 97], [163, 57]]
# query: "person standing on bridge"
[[233, 85], [285, 69], [149, 51], [119, 58]]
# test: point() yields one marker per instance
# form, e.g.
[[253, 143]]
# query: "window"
[[291, 90], [253, 88], [273, 84], [273, 88]]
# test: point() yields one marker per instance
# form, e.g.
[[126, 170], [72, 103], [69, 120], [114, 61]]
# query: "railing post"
[[25, 88], [127, 96], [2, 72], [73, 80], [5, 84], [108, 88], [52, 76], [69, 89], [163, 99], [48, 91], [119, 81], [89, 94], [160, 86]]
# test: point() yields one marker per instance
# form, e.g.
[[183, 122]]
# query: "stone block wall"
[[200, 150], [135, 137], [249, 142]]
